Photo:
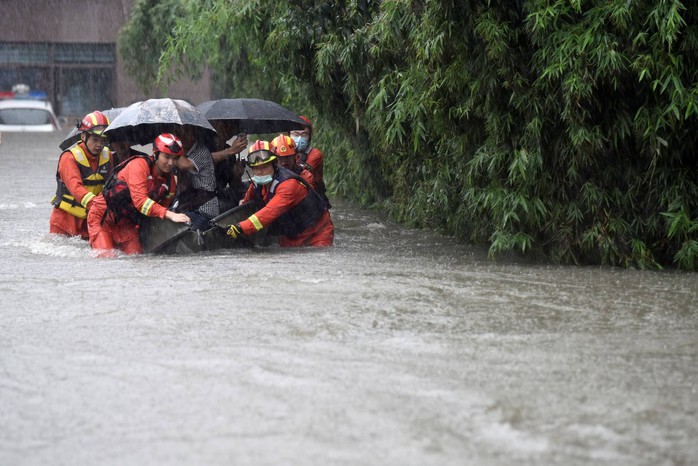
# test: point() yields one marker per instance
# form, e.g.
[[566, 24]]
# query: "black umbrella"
[[74, 135], [251, 116], [141, 122]]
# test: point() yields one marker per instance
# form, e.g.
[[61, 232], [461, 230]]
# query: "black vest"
[[118, 196], [300, 217]]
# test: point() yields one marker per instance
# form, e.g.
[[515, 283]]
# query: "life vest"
[[118, 197], [93, 180], [319, 183], [300, 217], [298, 169], [303, 159]]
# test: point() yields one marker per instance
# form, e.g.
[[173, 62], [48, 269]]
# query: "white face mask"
[[301, 142], [262, 180]]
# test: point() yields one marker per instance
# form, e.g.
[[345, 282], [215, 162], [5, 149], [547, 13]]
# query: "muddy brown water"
[[395, 347]]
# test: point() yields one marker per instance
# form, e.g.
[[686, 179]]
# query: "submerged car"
[[18, 115]]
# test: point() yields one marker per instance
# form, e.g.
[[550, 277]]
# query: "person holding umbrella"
[[229, 165], [81, 173], [310, 157], [197, 194], [143, 187], [290, 207]]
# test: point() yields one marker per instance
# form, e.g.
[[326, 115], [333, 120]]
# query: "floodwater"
[[395, 347]]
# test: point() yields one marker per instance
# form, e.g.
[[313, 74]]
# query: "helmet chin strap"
[[84, 141]]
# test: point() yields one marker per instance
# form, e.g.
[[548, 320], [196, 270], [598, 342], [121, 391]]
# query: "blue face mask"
[[262, 180], [301, 143]]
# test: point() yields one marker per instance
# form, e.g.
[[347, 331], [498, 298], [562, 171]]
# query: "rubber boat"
[[162, 236]]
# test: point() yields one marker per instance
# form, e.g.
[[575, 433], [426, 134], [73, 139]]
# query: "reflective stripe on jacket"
[[299, 217], [118, 196], [92, 180]]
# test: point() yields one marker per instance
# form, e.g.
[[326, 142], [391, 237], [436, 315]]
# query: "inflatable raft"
[[162, 236]]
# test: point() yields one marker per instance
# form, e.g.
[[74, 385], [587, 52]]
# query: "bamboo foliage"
[[144, 37], [556, 129]]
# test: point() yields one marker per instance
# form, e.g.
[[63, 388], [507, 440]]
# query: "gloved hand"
[[234, 231]]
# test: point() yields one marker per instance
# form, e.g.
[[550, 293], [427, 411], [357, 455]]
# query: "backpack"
[[117, 195]]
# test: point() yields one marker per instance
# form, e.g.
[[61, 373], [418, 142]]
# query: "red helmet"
[[168, 143], [94, 123], [309, 123], [307, 120], [283, 145], [259, 153]]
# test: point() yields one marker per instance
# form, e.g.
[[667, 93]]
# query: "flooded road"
[[395, 347]]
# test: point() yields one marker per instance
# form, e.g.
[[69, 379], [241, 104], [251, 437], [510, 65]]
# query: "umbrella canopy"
[[251, 116], [143, 121], [74, 135]]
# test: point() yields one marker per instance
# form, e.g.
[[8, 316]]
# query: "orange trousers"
[[320, 235], [108, 235], [63, 223]]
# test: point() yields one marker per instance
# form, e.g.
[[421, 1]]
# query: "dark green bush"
[[557, 129]]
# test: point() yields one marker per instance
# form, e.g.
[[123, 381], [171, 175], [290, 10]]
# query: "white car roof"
[[25, 103], [29, 105]]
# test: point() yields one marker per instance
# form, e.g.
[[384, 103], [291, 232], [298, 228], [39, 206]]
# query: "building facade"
[[67, 50]]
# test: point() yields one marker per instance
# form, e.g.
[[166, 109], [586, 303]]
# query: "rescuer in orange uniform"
[[310, 157], [82, 170], [139, 187], [291, 208], [285, 149]]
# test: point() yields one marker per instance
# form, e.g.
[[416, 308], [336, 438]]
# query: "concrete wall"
[[62, 20], [90, 21]]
